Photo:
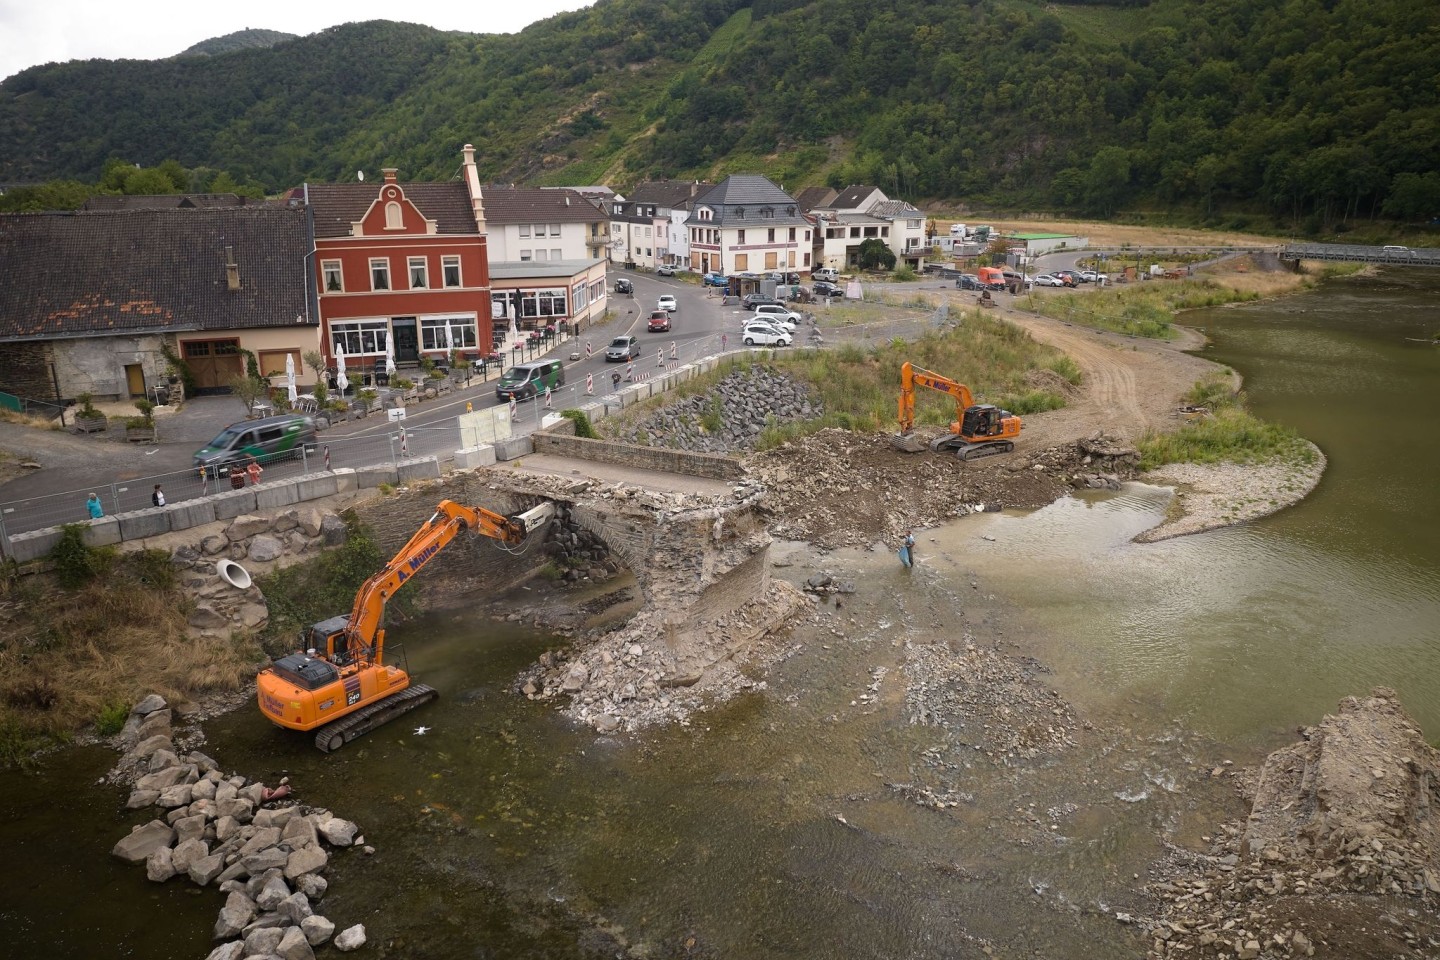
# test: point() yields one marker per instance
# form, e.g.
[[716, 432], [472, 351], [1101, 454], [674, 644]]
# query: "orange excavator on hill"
[[339, 684], [978, 430]]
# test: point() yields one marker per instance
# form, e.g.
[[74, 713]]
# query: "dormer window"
[[768, 213], [790, 211], [740, 212]]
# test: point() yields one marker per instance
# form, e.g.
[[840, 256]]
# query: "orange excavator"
[[979, 430], [339, 684]]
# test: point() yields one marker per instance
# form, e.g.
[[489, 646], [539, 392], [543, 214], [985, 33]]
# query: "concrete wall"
[[711, 465]]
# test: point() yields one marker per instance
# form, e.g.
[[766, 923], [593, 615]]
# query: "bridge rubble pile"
[[710, 605]]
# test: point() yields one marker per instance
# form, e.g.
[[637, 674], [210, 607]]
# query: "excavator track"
[[333, 736], [974, 451]]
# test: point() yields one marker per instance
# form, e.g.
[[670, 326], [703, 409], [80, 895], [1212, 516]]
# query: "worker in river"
[[907, 550]]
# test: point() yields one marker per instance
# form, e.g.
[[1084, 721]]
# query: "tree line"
[[1307, 113]]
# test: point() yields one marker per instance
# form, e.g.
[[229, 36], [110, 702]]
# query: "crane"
[[339, 684], [978, 430]]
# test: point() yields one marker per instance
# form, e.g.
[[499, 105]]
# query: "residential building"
[[569, 294], [746, 224], [399, 263], [535, 224], [651, 223], [860, 213], [94, 301]]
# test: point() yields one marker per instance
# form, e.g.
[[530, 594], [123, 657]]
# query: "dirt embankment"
[[1340, 856]]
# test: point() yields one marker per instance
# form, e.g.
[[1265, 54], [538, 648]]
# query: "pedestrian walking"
[[158, 496], [724, 342], [93, 506], [253, 471]]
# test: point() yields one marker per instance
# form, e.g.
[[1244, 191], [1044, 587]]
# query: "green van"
[[267, 439], [527, 380]]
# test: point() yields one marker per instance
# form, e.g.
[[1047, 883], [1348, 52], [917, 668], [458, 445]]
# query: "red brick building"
[[403, 263]]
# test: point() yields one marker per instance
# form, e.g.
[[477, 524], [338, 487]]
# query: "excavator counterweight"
[[338, 684]]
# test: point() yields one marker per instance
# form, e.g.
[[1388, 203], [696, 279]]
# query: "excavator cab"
[[983, 420], [329, 639]]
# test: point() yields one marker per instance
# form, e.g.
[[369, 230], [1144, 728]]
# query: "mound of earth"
[[837, 488], [1340, 856]]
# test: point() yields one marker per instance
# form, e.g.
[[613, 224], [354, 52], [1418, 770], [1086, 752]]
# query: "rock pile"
[[250, 540], [730, 417], [1342, 831], [268, 859], [582, 554]]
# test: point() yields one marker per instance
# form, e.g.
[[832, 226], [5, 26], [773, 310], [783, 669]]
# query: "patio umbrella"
[[513, 334], [449, 338], [290, 377], [390, 355], [341, 381]]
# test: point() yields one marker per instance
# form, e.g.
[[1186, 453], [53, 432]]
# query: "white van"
[[1393, 250], [825, 273], [957, 230]]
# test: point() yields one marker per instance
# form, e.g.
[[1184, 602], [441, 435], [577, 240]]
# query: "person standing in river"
[[907, 550]]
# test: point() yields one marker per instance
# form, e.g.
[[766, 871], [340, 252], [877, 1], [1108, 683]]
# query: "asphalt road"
[[124, 475]]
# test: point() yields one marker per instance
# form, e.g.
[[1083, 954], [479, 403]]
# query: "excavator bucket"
[[907, 443]]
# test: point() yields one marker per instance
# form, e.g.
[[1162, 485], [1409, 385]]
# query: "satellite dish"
[[360, 174]]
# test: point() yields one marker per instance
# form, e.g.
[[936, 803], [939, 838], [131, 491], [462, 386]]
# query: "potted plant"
[[367, 399], [87, 418], [143, 426]]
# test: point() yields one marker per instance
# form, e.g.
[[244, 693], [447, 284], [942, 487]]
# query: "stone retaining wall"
[[713, 466]]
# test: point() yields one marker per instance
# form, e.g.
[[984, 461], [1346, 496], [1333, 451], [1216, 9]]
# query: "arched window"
[[394, 218]]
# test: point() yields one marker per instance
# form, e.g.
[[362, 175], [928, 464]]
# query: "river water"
[[770, 827]]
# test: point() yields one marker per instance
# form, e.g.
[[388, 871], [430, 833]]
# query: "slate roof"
[[538, 205], [896, 210], [96, 274], [739, 199], [851, 196], [338, 205], [812, 198], [671, 194], [163, 201]]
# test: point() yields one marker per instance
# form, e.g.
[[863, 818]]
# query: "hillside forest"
[[1300, 115]]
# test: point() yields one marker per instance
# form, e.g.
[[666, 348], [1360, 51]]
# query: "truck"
[[338, 684]]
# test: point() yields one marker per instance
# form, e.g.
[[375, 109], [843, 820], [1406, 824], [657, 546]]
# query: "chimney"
[[389, 173], [472, 185], [232, 270]]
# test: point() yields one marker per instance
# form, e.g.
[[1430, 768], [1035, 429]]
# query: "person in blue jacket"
[[907, 550]]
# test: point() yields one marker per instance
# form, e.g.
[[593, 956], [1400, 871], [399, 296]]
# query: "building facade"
[[746, 224]]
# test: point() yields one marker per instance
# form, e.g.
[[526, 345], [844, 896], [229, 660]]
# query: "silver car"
[[763, 334], [623, 349]]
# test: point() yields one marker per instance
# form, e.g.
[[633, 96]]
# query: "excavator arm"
[[363, 632], [910, 376]]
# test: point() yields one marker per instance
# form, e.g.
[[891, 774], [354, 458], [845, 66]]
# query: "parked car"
[[715, 280], [824, 288], [667, 302], [1093, 276], [525, 381], [1068, 278], [1048, 280], [763, 334], [753, 300], [659, 321], [777, 311], [624, 286], [968, 281], [623, 349], [829, 274], [776, 321], [665, 270]]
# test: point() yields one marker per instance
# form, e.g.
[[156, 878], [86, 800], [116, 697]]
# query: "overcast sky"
[[42, 31]]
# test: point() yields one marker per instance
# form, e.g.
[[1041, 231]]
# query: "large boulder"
[[337, 832], [262, 838], [278, 817], [189, 828], [268, 859], [188, 852], [263, 549], [144, 840], [263, 942], [273, 892], [160, 779], [296, 907], [333, 529], [317, 929], [295, 946], [160, 865], [149, 705], [245, 527], [235, 916], [306, 860], [351, 938], [234, 950], [300, 832], [146, 748], [177, 796], [312, 885], [204, 871]]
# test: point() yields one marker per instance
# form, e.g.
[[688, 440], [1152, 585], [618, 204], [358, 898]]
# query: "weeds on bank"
[[859, 386], [1141, 310], [76, 655], [1230, 434], [307, 593]]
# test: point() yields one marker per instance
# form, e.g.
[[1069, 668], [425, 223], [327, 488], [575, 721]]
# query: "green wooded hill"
[[1304, 110], [239, 40]]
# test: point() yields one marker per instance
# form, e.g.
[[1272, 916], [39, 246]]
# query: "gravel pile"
[[730, 417]]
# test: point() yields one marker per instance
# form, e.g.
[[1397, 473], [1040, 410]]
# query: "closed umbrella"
[[449, 338], [390, 355], [341, 381], [290, 377], [513, 334]]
